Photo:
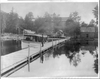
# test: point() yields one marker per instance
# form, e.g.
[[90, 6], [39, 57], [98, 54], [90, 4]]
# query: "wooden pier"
[[15, 61]]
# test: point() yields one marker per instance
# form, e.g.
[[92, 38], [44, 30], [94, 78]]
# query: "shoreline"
[[13, 37]]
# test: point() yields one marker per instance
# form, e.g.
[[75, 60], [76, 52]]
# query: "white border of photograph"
[[33, 1]]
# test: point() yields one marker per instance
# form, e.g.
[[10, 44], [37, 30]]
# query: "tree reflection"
[[76, 59], [48, 54], [96, 62], [96, 65], [93, 51], [73, 50], [57, 52]]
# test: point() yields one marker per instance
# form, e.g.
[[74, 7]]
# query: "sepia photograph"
[[49, 39]]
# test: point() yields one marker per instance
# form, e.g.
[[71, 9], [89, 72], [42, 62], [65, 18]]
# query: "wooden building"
[[88, 32]]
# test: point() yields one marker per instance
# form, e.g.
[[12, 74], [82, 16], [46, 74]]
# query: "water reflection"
[[75, 50], [10, 46], [41, 57]]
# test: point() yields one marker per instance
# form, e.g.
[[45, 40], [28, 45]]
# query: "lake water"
[[10, 46], [81, 58], [75, 58], [84, 57]]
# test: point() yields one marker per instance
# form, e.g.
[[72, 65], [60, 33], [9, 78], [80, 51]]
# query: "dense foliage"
[[48, 24]]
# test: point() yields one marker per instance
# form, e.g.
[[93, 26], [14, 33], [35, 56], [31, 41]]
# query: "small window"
[[87, 35]]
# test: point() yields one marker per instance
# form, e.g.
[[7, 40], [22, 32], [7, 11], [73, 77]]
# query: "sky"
[[63, 8]]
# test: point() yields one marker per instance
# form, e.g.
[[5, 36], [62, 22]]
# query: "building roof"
[[29, 31], [87, 29], [32, 33]]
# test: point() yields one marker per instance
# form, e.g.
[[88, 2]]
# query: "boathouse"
[[32, 36]]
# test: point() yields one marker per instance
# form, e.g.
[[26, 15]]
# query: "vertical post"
[[40, 47], [42, 41], [52, 45], [58, 44], [55, 44], [40, 52], [18, 33], [52, 42], [28, 57]]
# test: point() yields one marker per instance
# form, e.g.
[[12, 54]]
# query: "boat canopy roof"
[[32, 33], [38, 35]]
